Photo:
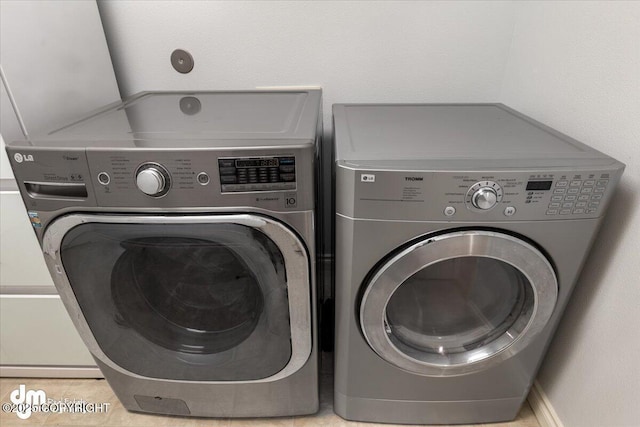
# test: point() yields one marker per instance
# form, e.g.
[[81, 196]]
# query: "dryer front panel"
[[457, 302], [192, 298]]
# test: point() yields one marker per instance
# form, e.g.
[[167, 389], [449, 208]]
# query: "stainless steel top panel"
[[193, 120], [451, 136]]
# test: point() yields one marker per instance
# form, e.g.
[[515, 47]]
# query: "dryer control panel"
[[479, 195]]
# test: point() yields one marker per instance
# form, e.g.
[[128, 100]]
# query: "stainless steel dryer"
[[460, 234], [179, 230]]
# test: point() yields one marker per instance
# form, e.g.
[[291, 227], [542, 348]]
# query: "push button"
[[224, 179], [556, 198], [552, 212], [559, 191], [104, 178], [565, 211], [287, 168], [203, 178], [287, 161], [449, 211], [509, 211], [227, 170], [590, 183], [602, 182], [225, 163], [562, 183], [576, 183], [573, 191]]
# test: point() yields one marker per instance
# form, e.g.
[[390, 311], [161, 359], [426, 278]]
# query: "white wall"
[[576, 67], [357, 51], [55, 61]]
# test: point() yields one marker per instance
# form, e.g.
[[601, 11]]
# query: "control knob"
[[484, 198], [152, 179]]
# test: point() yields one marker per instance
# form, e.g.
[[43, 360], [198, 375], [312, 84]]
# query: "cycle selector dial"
[[484, 195], [484, 198], [153, 179]]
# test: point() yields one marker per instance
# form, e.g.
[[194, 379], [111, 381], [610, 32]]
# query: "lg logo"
[[19, 158]]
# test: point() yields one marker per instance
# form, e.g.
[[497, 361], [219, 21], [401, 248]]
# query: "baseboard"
[[542, 408], [50, 372]]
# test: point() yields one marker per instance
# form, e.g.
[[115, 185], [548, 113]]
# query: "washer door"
[[458, 302], [196, 298]]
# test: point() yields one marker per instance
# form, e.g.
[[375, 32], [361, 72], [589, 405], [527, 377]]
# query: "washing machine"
[[179, 231], [460, 233]]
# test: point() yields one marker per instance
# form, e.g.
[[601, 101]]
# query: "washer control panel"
[[243, 174]]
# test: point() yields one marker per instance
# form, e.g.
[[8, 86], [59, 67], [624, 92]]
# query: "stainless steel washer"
[[182, 243], [460, 234]]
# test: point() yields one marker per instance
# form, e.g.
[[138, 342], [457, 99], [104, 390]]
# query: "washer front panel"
[[541, 290]]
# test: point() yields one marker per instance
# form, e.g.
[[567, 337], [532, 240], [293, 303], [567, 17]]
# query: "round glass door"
[[456, 302], [190, 294], [193, 297]]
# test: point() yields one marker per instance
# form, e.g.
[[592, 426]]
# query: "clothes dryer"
[[460, 234]]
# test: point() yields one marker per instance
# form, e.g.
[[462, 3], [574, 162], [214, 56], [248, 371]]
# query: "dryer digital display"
[[539, 185]]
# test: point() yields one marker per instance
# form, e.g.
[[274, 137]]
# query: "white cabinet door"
[[21, 260], [35, 330], [5, 168]]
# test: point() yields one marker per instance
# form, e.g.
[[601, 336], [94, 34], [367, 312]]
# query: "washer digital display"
[[242, 174]]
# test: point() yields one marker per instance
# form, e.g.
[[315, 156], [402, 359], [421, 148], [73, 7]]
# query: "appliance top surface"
[[195, 119], [396, 132]]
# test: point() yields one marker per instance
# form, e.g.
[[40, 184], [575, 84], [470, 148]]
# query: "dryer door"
[[185, 297], [458, 302]]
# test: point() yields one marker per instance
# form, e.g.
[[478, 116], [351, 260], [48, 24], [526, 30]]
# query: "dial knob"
[[484, 198], [152, 180]]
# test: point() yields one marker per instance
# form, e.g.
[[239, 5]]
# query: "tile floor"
[[98, 391]]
